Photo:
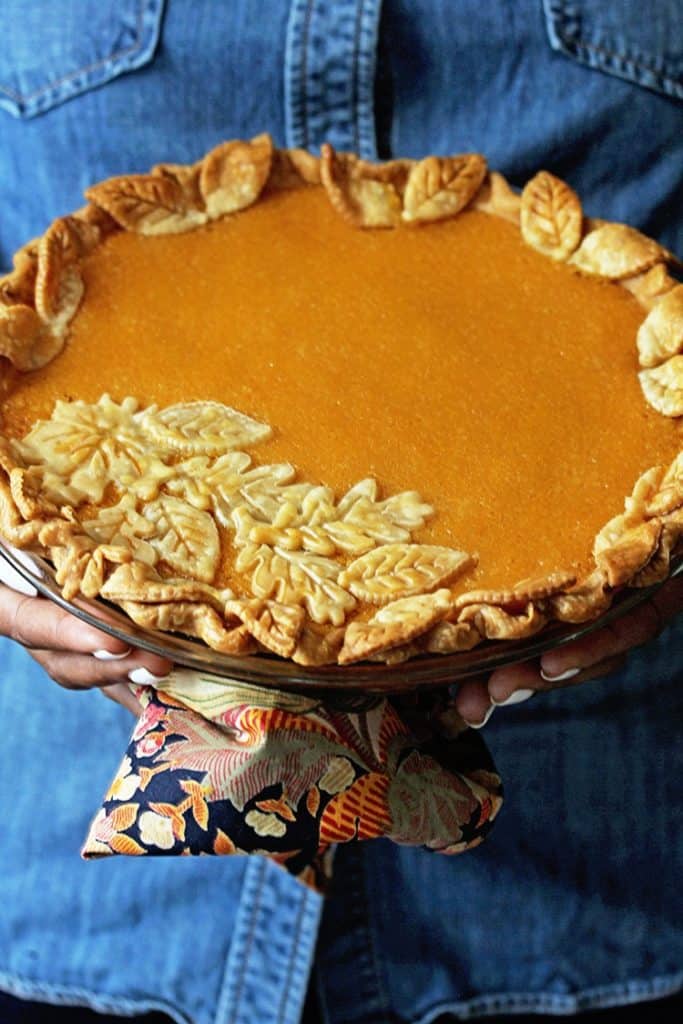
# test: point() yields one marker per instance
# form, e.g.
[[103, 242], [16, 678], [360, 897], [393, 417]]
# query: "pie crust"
[[141, 518]]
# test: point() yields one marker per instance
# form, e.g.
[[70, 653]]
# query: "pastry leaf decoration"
[[167, 530], [83, 448], [202, 428], [296, 577], [147, 203], [184, 538], [661, 333], [315, 522], [231, 481], [663, 386], [439, 187], [357, 192], [165, 480], [551, 216], [234, 173], [401, 570], [617, 251]]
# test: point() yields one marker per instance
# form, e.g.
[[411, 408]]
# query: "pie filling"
[[453, 360]]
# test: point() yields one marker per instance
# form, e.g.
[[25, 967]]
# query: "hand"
[[594, 655], [77, 656]]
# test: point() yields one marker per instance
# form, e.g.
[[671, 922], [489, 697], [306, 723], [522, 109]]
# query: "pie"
[[339, 411]]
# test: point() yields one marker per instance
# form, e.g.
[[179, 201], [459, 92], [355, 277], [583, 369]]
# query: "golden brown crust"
[[617, 251], [439, 187], [360, 196], [551, 216], [160, 568], [497, 197], [663, 386], [661, 333]]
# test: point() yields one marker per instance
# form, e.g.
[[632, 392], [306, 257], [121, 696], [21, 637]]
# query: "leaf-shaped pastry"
[[187, 177], [185, 538], [229, 482], [58, 251], [616, 251], [25, 339], [309, 519], [440, 187], [297, 578], [202, 428], [123, 526], [83, 448], [663, 386], [551, 216], [661, 333], [147, 203], [276, 626], [400, 570], [233, 174], [395, 624], [356, 191], [622, 549], [650, 286]]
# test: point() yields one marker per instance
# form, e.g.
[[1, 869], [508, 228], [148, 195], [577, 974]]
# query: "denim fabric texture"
[[574, 901]]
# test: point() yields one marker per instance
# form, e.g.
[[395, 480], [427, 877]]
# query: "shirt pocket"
[[637, 40], [51, 51]]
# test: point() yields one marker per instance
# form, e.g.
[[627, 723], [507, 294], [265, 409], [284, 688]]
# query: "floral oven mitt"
[[220, 767]]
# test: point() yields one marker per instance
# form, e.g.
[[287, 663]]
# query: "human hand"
[[594, 655], [77, 656]]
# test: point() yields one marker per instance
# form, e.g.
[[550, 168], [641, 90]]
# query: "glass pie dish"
[[265, 669]]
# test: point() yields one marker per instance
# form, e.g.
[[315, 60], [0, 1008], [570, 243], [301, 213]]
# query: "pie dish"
[[336, 410]]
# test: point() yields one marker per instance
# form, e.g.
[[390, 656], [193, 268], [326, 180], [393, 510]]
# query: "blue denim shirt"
[[574, 901]]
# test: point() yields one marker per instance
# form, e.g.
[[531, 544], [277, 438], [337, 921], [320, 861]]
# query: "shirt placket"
[[271, 950], [330, 74]]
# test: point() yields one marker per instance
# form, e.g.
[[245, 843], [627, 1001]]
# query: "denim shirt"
[[574, 901]]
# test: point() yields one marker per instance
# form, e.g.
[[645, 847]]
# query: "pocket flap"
[[56, 51], [640, 42]]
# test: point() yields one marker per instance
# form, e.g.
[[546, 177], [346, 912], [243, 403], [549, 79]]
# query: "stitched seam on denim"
[[56, 995], [624, 994], [250, 938], [294, 946], [370, 985], [580, 43], [355, 84], [305, 33], [636, 62], [21, 98], [372, 941]]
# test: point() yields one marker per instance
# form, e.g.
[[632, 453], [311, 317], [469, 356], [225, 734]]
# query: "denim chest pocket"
[[51, 51], [637, 40]]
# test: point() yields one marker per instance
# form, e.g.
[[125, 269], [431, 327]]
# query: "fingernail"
[[515, 698], [110, 656], [144, 677], [480, 725], [568, 674]]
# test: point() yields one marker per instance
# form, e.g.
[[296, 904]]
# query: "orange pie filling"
[[453, 360]]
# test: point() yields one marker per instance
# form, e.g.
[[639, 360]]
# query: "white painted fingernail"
[[110, 656], [569, 674], [480, 725], [143, 677], [515, 698]]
